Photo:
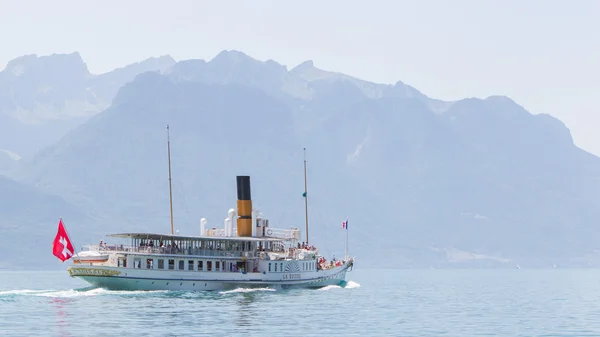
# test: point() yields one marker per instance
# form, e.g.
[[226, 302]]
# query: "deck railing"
[[170, 251], [282, 233], [291, 252], [269, 232]]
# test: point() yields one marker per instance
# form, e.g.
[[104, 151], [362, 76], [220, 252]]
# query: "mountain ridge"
[[474, 182], [43, 97]]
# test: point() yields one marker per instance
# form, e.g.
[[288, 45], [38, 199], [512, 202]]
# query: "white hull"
[[253, 254], [115, 278]]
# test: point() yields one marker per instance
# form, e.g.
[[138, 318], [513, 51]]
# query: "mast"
[[170, 188], [346, 250], [305, 198]]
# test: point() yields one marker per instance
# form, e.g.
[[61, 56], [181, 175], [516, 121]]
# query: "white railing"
[[271, 232], [169, 250], [282, 233]]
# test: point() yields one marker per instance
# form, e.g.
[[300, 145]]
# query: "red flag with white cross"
[[62, 248]]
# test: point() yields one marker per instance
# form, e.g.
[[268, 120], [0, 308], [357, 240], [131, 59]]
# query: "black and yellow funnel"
[[244, 206]]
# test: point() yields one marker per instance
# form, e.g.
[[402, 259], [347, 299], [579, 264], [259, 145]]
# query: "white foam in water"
[[349, 285], [245, 290], [20, 292], [352, 285], [70, 293], [329, 288], [74, 293]]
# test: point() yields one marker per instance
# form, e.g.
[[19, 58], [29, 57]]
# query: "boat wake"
[[9, 295], [351, 285], [346, 285], [71, 293], [245, 290]]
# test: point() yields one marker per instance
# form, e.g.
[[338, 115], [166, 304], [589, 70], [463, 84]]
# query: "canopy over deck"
[[155, 236]]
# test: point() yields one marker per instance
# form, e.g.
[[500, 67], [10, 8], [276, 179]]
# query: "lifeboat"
[[89, 256]]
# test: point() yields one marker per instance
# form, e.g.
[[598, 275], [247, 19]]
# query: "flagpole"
[[170, 188], [305, 198], [346, 252], [66, 231]]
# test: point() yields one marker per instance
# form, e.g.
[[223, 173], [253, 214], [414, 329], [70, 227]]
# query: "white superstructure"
[[213, 261]]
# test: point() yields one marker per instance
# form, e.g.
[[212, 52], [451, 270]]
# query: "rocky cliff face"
[[42, 98]]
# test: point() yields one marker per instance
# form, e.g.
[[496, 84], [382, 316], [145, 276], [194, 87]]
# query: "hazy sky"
[[543, 54]]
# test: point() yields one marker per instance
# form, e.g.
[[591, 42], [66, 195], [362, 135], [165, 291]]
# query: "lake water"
[[374, 303]]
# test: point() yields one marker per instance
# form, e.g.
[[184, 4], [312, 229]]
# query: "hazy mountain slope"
[[105, 86], [302, 82], [431, 183], [216, 135], [8, 161], [28, 225], [41, 98]]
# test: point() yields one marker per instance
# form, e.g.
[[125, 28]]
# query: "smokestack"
[[244, 206]]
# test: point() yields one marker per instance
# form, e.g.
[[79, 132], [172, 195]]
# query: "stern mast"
[[170, 188], [305, 198]]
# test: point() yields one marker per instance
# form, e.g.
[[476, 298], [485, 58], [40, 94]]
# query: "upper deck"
[[280, 236], [215, 244]]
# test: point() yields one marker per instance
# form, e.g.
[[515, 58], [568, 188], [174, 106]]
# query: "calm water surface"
[[373, 303]]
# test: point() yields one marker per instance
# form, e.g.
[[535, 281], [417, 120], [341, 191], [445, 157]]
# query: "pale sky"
[[545, 55]]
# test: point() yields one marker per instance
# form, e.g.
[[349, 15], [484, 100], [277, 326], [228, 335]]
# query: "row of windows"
[[204, 244], [207, 265], [306, 266], [192, 265]]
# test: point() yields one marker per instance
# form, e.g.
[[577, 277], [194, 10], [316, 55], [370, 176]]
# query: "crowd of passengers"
[[306, 246], [302, 245], [175, 248], [323, 264], [161, 244]]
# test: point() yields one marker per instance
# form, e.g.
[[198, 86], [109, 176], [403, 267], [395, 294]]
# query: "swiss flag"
[[62, 248]]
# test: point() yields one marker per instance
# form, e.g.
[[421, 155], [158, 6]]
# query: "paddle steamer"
[[249, 254]]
